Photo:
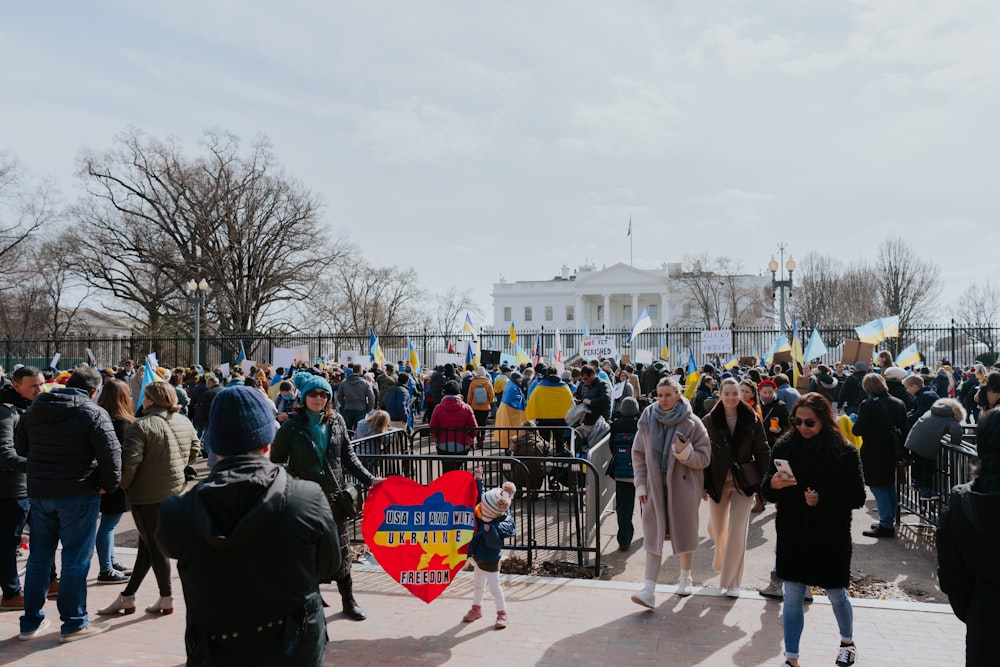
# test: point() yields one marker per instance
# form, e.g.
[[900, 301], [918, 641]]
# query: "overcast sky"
[[473, 139]]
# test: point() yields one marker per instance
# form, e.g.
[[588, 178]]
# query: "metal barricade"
[[955, 464], [556, 518]]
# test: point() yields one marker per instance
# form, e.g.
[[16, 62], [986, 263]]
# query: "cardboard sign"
[[420, 534], [600, 347], [857, 351], [719, 341]]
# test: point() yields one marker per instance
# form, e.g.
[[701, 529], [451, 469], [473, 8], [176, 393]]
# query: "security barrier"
[[560, 499]]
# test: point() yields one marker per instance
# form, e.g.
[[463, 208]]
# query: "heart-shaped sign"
[[420, 534]]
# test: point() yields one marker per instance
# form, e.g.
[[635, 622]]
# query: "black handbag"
[[344, 498], [746, 477]]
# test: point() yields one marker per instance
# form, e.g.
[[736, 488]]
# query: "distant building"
[[613, 297], [87, 322]]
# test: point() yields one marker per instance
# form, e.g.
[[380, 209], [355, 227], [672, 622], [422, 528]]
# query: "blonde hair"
[[163, 395], [378, 421]]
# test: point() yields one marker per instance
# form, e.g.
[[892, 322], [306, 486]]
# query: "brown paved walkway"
[[552, 622]]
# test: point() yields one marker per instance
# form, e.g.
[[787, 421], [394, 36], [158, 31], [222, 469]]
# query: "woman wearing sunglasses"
[[739, 460], [314, 443], [820, 485]]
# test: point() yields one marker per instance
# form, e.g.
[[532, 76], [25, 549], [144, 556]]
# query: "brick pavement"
[[552, 622]]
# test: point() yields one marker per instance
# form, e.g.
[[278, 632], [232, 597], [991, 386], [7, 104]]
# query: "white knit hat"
[[496, 501]]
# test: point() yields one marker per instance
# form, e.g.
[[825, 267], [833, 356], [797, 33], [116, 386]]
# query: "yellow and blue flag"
[[513, 334], [242, 356], [732, 363], [908, 356], [374, 348], [520, 356], [643, 322], [414, 359], [815, 348], [693, 376], [468, 327]]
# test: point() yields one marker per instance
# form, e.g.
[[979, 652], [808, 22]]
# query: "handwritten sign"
[[717, 342], [419, 534], [596, 347]]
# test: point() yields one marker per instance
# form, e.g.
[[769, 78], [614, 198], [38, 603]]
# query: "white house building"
[[611, 297]]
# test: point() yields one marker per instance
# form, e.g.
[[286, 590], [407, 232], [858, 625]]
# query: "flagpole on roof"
[[630, 241]]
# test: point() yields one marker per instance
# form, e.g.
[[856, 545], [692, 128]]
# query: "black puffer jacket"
[[880, 451], [70, 444], [247, 513], [13, 466]]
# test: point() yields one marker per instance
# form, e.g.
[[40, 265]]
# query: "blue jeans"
[[885, 500], [352, 417], [106, 541], [13, 514], [792, 619], [73, 521]]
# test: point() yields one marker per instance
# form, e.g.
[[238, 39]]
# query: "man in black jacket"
[[73, 456], [593, 392], [247, 515], [14, 504]]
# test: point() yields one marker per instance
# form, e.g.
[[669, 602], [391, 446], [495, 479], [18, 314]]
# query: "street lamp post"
[[196, 295], [782, 284]]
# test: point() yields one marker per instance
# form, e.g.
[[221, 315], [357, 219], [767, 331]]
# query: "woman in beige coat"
[[671, 446], [157, 447]]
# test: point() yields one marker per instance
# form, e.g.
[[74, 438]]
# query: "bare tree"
[[977, 312], [452, 305], [161, 218], [59, 284], [717, 294], [388, 300], [24, 210], [829, 294], [905, 284]]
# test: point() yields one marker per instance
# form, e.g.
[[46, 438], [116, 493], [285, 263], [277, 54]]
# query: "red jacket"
[[453, 422]]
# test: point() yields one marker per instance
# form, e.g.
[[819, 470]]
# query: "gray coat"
[[686, 481], [944, 417]]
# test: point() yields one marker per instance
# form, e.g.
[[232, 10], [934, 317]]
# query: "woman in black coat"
[[968, 544], [813, 522], [878, 415]]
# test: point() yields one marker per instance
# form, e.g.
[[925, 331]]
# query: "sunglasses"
[[317, 393], [799, 422]]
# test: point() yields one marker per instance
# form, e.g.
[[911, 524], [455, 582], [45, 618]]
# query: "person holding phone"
[[670, 452], [816, 491]]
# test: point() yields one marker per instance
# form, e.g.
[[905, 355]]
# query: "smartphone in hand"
[[784, 466]]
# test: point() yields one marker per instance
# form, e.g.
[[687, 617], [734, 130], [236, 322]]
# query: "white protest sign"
[[717, 342], [246, 365], [595, 347], [282, 357], [643, 357], [349, 357], [90, 355], [224, 372], [442, 358], [55, 360]]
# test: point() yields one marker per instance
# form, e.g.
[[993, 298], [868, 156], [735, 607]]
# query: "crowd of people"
[[82, 448]]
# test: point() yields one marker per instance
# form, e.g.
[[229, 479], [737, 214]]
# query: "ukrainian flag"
[[468, 326], [520, 356], [908, 356], [693, 376], [798, 364], [242, 356], [513, 334], [414, 360], [374, 348], [872, 332], [733, 362]]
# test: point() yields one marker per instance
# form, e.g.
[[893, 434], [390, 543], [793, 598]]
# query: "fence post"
[[953, 359]]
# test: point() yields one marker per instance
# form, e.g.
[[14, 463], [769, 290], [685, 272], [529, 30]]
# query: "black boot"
[[351, 608]]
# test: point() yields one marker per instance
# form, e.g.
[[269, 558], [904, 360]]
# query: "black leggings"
[[149, 554]]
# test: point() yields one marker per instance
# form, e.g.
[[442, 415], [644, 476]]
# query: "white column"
[[607, 311], [579, 317], [635, 309], [663, 309]]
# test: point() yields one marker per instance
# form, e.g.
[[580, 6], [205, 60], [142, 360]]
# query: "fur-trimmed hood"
[[945, 407]]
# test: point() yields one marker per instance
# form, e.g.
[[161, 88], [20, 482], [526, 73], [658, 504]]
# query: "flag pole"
[[630, 241]]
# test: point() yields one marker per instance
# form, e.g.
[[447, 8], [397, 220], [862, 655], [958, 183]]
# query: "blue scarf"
[[662, 426]]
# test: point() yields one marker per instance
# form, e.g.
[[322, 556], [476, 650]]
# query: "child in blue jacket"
[[493, 524]]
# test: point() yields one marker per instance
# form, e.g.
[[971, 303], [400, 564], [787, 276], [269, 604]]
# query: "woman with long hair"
[[669, 455], [880, 416], [157, 448], [749, 395], [314, 443], [739, 457], [816, 490], [117, 400]]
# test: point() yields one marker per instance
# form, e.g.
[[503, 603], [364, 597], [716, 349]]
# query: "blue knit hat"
[[240, 420], [306, 382]]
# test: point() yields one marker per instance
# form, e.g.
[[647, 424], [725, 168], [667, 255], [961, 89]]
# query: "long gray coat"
[[686, 481]]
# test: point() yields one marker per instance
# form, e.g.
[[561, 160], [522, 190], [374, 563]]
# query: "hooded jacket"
[[232, 528], [354, 393], [70, 445], [13, 466], [944, 417], [157, 447], [551, 399]]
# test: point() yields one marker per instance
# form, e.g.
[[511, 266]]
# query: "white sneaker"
[[733, 592], [684, 585], [646, 597], [31, 634]]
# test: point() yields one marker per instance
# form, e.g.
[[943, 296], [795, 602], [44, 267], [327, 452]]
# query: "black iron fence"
[[954, 343], [560, 498]]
